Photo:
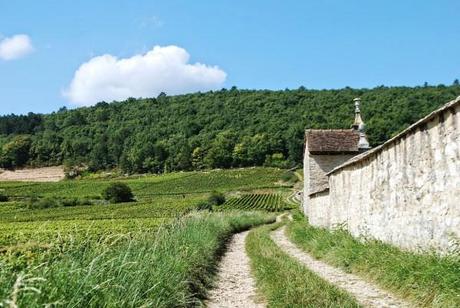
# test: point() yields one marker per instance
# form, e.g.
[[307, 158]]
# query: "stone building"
[[405, 192], [326, 149]]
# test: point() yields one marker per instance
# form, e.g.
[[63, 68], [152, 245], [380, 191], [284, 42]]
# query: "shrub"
[[50, 202], [85, 201], [216, 198], [289, 176], [73, 172], [204, 206], [42, 203], [69, 202], [3, 197], [118, 192]]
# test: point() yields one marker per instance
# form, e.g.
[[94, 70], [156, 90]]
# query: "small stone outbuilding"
[[326, 149]]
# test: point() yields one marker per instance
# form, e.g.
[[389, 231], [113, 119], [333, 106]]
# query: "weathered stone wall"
[[317, 210], [315, 169], [405, 192], [320, 165]]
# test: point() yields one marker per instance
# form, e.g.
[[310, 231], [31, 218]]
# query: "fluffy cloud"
[[162, 69], [15, 47]]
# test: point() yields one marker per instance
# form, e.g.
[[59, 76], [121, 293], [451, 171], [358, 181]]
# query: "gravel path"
[[365, 293], [235, 285]]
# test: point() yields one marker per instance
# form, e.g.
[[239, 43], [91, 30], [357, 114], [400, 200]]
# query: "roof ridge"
[[329, 129]]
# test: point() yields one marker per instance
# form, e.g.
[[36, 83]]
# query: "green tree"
[[198, 155], [118, 192], [276, 160], [16, 152], [221, 129], [220, 153], [240, 153], [294, 147], [258, 149]]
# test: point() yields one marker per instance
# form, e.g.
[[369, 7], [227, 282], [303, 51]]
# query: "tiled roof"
[[332, 141]]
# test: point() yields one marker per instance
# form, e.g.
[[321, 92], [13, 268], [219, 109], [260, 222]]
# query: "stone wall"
[[405, 192], [317, 210], [319, 166], [315, 169]]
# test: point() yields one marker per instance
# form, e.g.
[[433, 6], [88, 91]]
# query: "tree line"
[[216, 129]]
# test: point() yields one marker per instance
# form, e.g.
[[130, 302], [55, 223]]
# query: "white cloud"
[[162, 69], [15, 47]]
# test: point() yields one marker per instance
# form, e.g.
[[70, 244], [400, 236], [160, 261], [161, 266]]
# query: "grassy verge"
[[285, 282], [425, 279], [171, 267]]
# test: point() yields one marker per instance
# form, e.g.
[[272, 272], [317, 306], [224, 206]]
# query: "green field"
[[159, 199], [171, 266], [147, 187], [56, 243], [161, 251]]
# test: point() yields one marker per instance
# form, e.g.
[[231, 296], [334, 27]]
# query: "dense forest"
[[221, 129]]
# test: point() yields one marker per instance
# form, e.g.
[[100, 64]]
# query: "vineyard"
[[160, 199], [267, 202], [52, 242], [146, 187]]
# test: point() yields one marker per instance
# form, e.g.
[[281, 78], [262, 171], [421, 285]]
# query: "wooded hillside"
[[227, 128]]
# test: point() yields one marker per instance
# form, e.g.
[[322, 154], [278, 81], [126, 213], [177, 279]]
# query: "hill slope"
[[207, 130]]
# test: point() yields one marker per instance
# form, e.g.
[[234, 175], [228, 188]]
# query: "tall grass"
[[426, 279], [285, 282], [171, 267]]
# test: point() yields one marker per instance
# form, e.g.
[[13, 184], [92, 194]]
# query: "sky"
[[76, 53]]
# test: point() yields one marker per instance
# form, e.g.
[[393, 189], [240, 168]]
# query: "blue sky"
[[254, 44]]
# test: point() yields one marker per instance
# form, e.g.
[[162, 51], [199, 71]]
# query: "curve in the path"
[[365, 293], [235, 285]]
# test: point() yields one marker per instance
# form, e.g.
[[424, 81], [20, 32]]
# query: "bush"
[[69, 202], [85, 201], [118, 192], [216, 198], [204, 206], [73, 172], [42, 203], [50, 202], [289, 176], [3, 197]]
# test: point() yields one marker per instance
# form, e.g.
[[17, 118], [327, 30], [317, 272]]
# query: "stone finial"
[[358, 119], [359, 126]]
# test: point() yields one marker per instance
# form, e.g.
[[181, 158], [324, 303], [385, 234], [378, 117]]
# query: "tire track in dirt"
[[365, 293], [235, 285]]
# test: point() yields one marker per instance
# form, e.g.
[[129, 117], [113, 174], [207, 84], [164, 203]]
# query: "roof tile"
[[332, 141]]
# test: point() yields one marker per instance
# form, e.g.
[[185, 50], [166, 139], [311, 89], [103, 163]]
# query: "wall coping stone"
[[317, 193]]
